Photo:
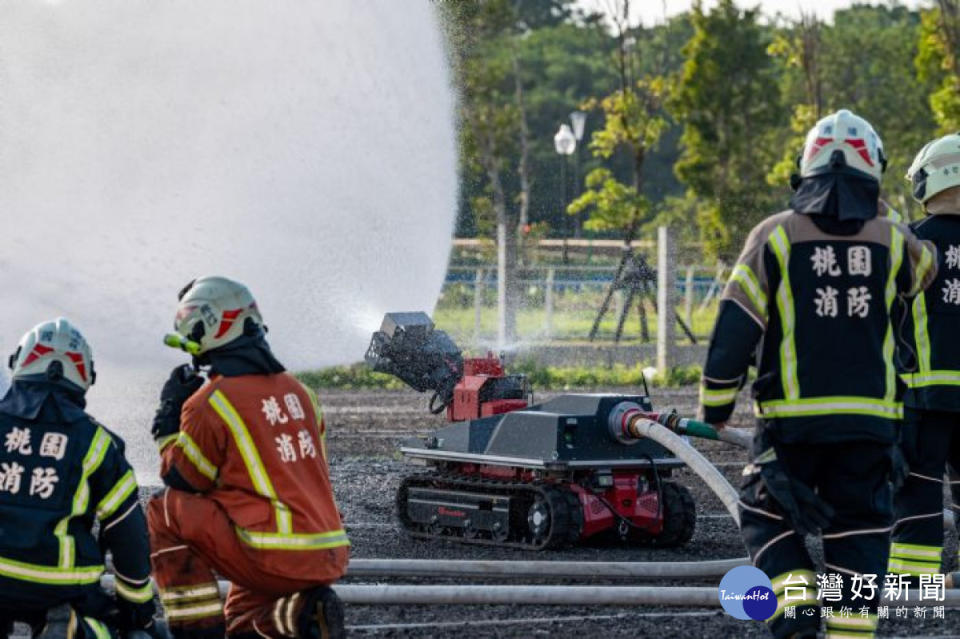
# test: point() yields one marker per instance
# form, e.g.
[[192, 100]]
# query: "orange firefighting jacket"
[[255, 444]]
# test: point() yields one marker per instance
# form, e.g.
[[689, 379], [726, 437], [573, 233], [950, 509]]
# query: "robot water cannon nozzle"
[[409, 347]]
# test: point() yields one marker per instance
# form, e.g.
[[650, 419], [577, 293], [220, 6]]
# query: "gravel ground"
[[365, 429]]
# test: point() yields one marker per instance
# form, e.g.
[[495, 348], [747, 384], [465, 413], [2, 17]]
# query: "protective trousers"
[[853, 478], [192, 538], [60, 622], [931, 447]]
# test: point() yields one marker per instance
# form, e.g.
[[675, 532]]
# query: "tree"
[[633, 122], [728, 99], [495, 136], [938, 61], [865, 68], [799, 46]]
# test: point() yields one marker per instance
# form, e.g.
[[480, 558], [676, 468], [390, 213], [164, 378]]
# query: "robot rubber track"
[[541, 515]]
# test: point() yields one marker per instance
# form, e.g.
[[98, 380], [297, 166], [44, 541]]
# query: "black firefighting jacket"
[[59, 472], [812, 311], [930, 359]]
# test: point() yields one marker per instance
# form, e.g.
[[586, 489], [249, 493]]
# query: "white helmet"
[[51, 343], [212, 312], [936, 168], [849, 134]]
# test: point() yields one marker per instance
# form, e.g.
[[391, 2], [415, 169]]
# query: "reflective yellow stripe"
[[117, 495], [189, 593], [848, 634], [98, 628], [853, 622], [81, 497], [292, 541], [785, 305], [163, 442], [211, 609], [713, 397], [932, 378], [136, 594], [745, 277], [811, 406], [196, 456], [318, 412], [926, 262], [48, 574], [896, 259], [921, 333], [907, 567], [251, 459], [915, 551]]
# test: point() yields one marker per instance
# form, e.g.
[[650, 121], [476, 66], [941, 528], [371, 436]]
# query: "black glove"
[[182, 383], [806, 512], [803, 509], [899, 468]]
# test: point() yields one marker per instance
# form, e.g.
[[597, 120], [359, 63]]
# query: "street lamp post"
[[579, 120], [565, 142]]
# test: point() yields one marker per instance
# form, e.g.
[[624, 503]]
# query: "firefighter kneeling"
[[813, 291], [248, 490]]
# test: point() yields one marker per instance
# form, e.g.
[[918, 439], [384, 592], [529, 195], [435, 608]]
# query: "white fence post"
[[688, 297], [477, 303], [666, 308], [548, 303]]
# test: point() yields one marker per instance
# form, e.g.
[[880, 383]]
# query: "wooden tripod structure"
[[636, 277]]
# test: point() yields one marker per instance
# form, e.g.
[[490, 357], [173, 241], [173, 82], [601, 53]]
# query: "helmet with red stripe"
[[55, 351], [842, 138], [212, 312]]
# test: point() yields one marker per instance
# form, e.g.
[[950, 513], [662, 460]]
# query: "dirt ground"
[[365, 429]]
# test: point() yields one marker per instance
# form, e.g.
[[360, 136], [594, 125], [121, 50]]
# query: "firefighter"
[[809, 303], [60, 471], [248, 492], [931, 368]]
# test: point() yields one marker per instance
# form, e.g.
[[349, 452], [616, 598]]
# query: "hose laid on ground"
[[633, 424], [541, 569], [403, 594], [387, 595]]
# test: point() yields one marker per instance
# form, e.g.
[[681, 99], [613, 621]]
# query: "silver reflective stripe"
[[890, 296], [785, 305]]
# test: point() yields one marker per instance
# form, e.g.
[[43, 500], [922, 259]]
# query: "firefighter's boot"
[[321, 615]]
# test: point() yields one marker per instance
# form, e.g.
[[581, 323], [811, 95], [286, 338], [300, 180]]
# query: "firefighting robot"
[[811, 298], [248, 490], [60, 472], [931, 368]]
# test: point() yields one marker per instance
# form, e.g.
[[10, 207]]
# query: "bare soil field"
[[365, 429]]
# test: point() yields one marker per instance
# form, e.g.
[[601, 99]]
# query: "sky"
[[652, 11]]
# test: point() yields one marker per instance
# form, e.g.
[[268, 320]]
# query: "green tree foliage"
[[938, 61], [633, 122], [728, 100], [865, 68], [716, 143]]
